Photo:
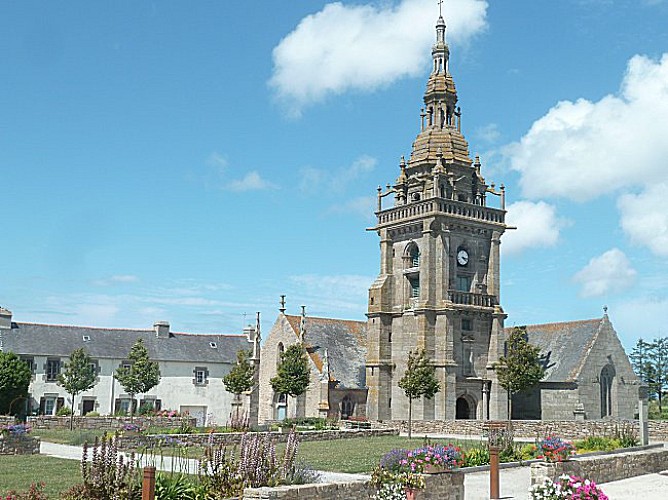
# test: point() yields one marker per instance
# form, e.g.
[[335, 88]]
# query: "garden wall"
[[604, 468], [569, 429], [131, 441], [7, 420], [111, 423], [444, 486], [21, 445]]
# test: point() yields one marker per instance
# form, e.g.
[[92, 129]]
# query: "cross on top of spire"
[[440, 5]]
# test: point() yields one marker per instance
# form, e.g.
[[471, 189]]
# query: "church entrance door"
[[463, 410]]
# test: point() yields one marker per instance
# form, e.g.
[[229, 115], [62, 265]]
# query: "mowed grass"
[[359, 455], [18, 472], [76, 437]]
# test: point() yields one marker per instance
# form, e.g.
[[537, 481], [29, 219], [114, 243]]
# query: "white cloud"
[[537, 226], [640, 317], [583, 149], [337, 180], [252, 181], [489, 133], [117, 279], [644, 218], [364, 47], [344, 293], [362, 205], [610, 272]]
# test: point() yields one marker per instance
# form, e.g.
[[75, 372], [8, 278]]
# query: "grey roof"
[[345, 343], [564, 346], [60, 340]]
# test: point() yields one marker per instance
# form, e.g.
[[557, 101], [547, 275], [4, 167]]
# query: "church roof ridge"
[[557, 324]]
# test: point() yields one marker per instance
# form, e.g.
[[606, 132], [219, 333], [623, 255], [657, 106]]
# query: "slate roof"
[[61, 340], [345, 342], [565, 346]]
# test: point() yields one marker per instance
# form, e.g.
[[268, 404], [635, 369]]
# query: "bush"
[[34, 493], [567, 487], [92, 414], [555, 449], [476, 456], [64, 411]]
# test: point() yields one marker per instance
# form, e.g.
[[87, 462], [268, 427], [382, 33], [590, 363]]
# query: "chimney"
[[5, 318], [161, 329]]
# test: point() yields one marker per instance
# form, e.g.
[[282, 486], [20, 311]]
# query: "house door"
[[87, 406], [198, 412]]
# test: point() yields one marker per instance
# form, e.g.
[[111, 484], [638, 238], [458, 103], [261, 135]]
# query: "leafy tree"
[[14, 381], [240, 378], [141, 376], [520, 368], [418, 380], [78, 376], [659, 369], [293, 374], [641, 359]]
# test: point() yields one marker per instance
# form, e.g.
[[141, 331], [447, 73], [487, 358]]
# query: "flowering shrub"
[[36, 492], [447, 457], [132, 428], [555, 449], [15, 430], [394, 459], [570, 487], [167, 413]]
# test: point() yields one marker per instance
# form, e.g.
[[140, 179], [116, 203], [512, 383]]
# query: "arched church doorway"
[[465, 409]]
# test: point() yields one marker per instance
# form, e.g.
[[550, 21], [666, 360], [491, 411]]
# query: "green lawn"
[[357, 455], [77, 437], [17, 472]]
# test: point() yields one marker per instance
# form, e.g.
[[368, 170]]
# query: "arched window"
[[607, 378], [347, 407]]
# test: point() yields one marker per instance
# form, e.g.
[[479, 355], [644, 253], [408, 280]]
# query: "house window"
[[49, 404], [95, 367], [201, 376], [467, 325], [415, 256], [52, 369], [463, 283], [30, 362], [122, 405]]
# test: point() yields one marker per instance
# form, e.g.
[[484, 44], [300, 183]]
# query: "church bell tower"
[[438, 287]]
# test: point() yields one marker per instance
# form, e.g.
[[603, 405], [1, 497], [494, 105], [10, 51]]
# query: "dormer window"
[[213, 345], [86, 338]]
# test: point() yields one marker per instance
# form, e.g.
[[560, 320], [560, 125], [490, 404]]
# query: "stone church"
[[439, 289]]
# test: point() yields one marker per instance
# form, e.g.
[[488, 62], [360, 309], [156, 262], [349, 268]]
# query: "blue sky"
[[191, 161]]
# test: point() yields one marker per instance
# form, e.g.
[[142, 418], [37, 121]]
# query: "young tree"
[[641, 356], [240, 378], [521, 368], [14, 381], [293, 374], [141, 376], [78, 376], [418, 380], [659, 369]]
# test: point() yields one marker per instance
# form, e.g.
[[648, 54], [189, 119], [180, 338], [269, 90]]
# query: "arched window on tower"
[[607, 378]]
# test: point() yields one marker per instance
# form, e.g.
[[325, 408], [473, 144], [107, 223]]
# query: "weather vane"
[[440, 4]]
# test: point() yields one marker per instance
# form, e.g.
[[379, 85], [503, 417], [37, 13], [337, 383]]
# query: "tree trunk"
[[72, 414], [410, 417], [509, 405], [132, 407]]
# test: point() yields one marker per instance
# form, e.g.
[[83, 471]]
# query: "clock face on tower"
[[462, 257]]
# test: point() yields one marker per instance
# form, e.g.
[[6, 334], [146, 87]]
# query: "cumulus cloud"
[[582, 149], [644, 218], [537, 225], [610, 272], [251, 181], [640, 317], [337, 180], [364, 47]]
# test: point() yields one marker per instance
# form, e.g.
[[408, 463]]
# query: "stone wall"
[[21, 445], [111, 423], [604, 468], [444, 486], [131, 441], [658, 430], [7, 420]]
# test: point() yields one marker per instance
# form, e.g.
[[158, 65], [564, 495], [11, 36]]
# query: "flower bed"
[[15, 440]]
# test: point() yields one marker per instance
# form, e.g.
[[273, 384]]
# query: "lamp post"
[[495, 436]]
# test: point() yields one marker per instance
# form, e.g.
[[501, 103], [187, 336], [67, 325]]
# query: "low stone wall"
[[111, 423], [131, 441], [7, 420], [21, 445], [658, 430], [604, 468], [443, 486]]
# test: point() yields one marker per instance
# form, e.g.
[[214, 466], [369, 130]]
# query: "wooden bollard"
[[494, 472], [148, 484]]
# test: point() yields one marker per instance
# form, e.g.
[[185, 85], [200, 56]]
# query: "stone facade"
[[111, 423], [19, 445], [569, 429], [443, 486], [335, 349], [604, 468], [135, 441]]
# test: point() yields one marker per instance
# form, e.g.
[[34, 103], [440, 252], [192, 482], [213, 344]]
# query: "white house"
[[191, 366]]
